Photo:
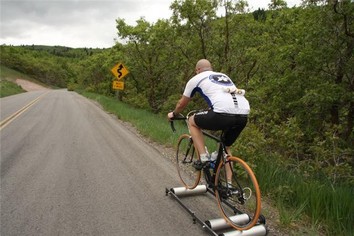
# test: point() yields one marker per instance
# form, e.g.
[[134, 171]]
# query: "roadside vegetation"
[[8, 88], [7, 82], [296, 65]]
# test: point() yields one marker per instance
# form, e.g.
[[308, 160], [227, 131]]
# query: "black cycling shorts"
[[232, 125]]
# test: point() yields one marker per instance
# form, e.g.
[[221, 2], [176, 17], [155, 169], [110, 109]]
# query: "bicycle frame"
[[221, 157]]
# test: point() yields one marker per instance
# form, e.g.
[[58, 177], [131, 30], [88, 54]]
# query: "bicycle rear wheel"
[[186, 155], [241, 196]]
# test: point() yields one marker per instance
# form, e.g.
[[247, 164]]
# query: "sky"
[[80, 23]]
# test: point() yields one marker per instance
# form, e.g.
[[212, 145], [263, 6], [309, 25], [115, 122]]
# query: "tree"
[[277, 4], [150, 49], [196, 16]]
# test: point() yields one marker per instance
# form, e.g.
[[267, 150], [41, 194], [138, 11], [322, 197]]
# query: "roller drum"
[[258, 230], [221, 223], [183, 191]]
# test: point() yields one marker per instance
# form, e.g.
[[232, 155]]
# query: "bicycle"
[[239, 197]]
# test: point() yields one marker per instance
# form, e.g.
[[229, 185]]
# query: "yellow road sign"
[[118, 85], [119, 71]]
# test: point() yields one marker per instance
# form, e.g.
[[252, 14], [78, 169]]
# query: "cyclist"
[[228, 108]]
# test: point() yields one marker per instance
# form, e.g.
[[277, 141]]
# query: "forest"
[[296, 65]]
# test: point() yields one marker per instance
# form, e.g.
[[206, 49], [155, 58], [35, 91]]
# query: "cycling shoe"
[[198, 165]]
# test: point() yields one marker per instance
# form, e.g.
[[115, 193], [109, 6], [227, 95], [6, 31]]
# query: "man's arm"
[[181, 104]]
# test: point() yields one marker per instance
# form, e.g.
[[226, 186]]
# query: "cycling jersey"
[[219, 92]]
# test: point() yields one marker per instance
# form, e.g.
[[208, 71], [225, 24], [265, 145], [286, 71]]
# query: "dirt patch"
[[29, 86]]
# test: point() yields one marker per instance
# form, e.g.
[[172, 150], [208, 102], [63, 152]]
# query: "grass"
[[290, 216], [8, 88], [328, 209], [156, 127]]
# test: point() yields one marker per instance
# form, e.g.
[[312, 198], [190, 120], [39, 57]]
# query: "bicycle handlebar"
[[180, 117], [172, 126]]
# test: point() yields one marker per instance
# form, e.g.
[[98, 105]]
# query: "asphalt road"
[[69, 168]]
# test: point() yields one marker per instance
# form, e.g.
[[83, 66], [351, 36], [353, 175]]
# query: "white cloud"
[[78, 23]]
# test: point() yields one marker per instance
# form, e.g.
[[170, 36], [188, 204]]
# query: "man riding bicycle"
[[228, 108]]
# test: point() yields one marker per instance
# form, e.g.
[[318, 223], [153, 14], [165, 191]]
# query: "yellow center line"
[[9, 119]]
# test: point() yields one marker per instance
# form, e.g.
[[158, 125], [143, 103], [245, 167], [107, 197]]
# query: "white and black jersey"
[[219, 92]]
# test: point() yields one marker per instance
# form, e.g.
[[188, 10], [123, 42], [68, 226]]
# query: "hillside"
[[14, 82]]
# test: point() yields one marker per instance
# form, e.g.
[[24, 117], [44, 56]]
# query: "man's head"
[[203, 65]]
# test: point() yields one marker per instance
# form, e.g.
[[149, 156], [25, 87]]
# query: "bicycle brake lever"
[[172, 126]]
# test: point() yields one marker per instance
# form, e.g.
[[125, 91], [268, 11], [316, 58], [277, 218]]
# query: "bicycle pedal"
[[198, 165]]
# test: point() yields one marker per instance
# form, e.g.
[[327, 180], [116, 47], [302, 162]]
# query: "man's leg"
[[228, 167], [197, 136], [230, 136]]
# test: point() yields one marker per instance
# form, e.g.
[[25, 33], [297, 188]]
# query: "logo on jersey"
[[220, 79]]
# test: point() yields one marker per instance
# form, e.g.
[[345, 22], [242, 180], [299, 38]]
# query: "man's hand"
[[170, 115], [181, 104]]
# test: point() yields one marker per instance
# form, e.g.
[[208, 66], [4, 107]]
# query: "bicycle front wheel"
[[240, 195], [186, 155]]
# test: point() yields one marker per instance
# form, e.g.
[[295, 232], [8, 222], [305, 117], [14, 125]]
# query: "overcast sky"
[[80, 23]]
